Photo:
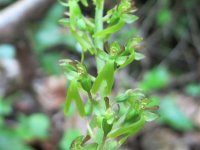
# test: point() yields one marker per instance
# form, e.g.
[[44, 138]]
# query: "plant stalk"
[[99, 27]]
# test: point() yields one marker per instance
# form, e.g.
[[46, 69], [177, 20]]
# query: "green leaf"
[[173, 116]]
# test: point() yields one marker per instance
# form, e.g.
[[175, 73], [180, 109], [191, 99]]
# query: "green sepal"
[[102, 55], [124, 6], [69, 69], [110, 30], [81, 24], [129, 129], [90, 24], [114, 16], [123, 139], [76, 144], [130, 51], [92, 146], [128, 18], [63, 3], [115, 48], [139, 56], [150, 116], [73, 95], [121, 60], [129, 60], [86, 83], [123, 97], [64, 22], [106, 76], [84, 2], [107, 127], [84, 41], [75, 13]]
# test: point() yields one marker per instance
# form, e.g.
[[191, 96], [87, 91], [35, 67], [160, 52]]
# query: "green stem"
[[82, 57], [99, 27], [101, 147], [91, 98]]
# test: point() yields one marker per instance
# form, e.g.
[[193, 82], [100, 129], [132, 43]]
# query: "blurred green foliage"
[[33, 127], [68, 137], [17, 134], [49, 63], [171, 114], [5, 2], [5, 108], [164, 17], [154, 79], [7, 51], [47, 35], [193, 89]]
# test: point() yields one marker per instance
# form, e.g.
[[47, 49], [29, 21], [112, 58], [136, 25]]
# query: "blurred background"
[[33, 88]]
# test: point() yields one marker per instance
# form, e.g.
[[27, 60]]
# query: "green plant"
[[23, 130], [171, 115], [112, 119], [155, 79]]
